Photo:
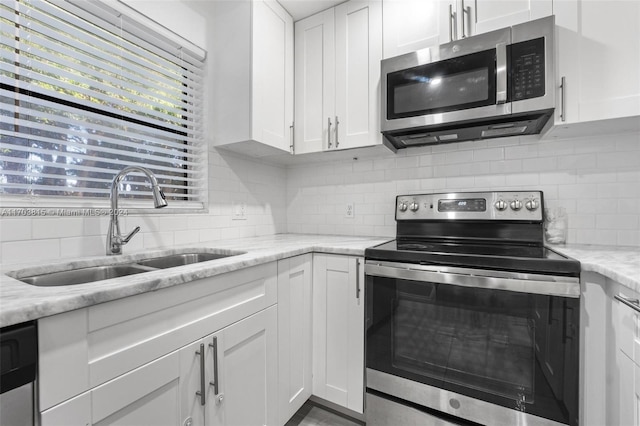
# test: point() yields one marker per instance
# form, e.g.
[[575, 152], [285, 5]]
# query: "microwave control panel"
[[526, 69]]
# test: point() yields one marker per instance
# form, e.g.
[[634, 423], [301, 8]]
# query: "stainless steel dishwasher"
[[18, 361]]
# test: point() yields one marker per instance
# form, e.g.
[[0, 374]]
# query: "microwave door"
[[455, 82]]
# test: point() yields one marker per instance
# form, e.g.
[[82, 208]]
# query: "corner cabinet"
[[294, 334], [338, 330], [598, 60], [252, 78], [337, 78]]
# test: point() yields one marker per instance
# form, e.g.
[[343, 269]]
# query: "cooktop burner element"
[[499, 230]]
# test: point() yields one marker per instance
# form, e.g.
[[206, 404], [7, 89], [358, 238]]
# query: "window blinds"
[[86, 91]]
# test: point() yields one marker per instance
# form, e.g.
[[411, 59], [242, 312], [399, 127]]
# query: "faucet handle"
[[126, 239]]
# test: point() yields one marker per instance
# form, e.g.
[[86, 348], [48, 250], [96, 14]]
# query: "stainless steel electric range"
[[470, 318]]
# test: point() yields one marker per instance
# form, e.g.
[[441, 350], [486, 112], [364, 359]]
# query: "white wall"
[[596, 179]]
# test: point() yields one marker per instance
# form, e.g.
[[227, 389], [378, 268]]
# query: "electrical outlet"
[[350, 212], [239, 211]]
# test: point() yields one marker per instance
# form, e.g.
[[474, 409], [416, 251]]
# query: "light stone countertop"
[[621, 264], [21, 302]]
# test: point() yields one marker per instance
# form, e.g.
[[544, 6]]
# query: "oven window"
[[453, 84], [499, 346]]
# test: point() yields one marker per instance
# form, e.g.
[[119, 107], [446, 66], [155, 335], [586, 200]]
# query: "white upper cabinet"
[[489, 15], [314, 82], [358, 55], [599, 58], [253, 76], [411, 25], [337, 68]]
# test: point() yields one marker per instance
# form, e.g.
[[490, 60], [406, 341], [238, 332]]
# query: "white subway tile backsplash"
[[15, 229], [30, 250], [590, 177]]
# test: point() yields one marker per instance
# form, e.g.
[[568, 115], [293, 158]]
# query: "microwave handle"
[[501, 73]]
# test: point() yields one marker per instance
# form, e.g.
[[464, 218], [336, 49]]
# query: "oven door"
[[449, 83], [488, 346]]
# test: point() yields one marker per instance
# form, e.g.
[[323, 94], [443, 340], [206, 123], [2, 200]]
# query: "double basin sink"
[[105, 272]]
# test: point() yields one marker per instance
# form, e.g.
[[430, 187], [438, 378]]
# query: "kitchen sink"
[[99, 273], [174, 260], [84, 275]]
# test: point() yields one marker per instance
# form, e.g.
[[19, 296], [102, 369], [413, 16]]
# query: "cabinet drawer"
[[82, 349]]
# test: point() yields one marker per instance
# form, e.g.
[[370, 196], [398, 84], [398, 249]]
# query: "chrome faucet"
[[115, 240]]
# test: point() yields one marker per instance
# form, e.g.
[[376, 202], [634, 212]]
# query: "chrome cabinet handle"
[[214, 383], [452, 21], [632, 303], [501, 73], [464, 10], [337, 123], [291, 146], [329, 131], [201, 392], [563, 116], [358, 278]]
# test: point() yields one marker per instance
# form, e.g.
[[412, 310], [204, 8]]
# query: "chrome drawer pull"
[[632, 303]]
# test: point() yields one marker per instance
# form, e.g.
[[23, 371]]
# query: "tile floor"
[[314, 415]]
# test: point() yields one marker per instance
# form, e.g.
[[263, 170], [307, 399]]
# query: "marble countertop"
[[21, 302], [621, 264]]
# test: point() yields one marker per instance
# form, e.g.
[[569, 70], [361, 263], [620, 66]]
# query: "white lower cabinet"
[[237, 374], [134, 360], [338, 330], [294, 334], [147, 395], [610, 335], [227, 378], [626, 319]]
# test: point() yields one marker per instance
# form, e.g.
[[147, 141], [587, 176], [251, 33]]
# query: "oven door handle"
[[550, 287]]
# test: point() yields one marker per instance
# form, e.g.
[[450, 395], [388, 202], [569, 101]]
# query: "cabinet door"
[[194, 359], [338, 330], [314, 82], [272, 48], [489, 15], [610, 56], [247, 363], [147, 395], [410, 25], [599, 57], [636, 396], [294, 334], [627, 341], [358, 26]]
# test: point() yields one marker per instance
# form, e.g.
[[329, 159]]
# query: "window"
[[85, 91]]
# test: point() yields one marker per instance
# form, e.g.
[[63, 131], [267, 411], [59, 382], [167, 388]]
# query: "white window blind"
[[87, 90]]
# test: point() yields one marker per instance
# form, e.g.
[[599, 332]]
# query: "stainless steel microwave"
[[495, 84]]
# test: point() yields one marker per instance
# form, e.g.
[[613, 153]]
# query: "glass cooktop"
[[475, 254]]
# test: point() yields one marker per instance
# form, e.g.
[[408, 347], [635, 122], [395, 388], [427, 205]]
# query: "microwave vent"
[[421, 140], [503, 131]]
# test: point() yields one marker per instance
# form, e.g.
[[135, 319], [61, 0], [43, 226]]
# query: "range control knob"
[[532, 204], [414, 206], [516, 205], [501, 205], [402, 207]]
